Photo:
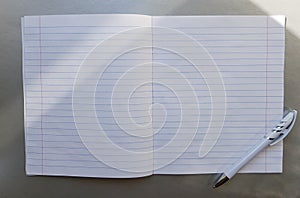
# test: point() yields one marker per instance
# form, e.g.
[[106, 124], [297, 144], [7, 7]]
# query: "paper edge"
[[280, 19]]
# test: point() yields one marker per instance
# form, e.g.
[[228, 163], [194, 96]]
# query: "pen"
[[278, 133]]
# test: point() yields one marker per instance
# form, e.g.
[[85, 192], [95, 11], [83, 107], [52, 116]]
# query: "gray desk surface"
[[14, 183]]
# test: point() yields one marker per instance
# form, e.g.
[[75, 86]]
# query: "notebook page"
[[84, 113], [222, 91]]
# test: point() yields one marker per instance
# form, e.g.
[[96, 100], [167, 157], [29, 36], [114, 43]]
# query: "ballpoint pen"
[[278, 133]]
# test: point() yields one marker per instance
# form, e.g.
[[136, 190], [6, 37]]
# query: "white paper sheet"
[[234, 65], [67, 61], [132, 95]]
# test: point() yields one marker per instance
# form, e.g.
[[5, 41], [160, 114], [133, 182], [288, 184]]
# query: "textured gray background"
[[14, 183]]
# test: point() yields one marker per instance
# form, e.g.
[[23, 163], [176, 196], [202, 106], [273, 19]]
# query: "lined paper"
[[132, 95], [69, 77], [248, 51]]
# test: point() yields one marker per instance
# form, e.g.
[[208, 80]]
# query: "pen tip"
[[220, 180]]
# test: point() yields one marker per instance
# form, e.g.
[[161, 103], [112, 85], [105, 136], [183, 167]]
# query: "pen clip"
[[288, 128]]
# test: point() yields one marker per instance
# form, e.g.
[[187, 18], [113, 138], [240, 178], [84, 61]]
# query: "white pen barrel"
[[250, 155]]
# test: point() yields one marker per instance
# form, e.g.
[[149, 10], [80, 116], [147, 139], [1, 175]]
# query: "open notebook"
[[133, 95]]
